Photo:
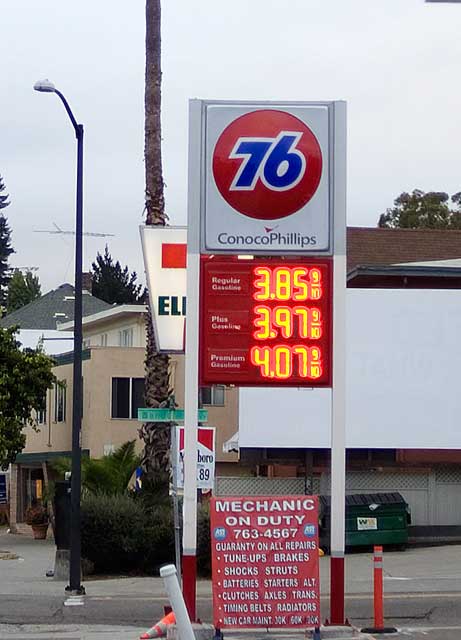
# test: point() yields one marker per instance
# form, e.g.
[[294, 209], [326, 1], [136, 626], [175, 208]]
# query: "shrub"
[[37, 514], [119, 535]]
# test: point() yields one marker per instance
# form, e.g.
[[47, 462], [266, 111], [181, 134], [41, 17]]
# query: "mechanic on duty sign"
[[265, 561], [267, 178]]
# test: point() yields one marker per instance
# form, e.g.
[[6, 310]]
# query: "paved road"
[[423, 593]]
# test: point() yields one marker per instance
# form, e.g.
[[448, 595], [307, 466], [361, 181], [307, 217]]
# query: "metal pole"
[[75, 587], [174, 473], [338, 408]]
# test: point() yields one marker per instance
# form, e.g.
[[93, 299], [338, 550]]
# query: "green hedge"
[[122, 535]]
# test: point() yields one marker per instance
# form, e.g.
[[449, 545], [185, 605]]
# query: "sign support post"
[[338, 396], [189, 560]]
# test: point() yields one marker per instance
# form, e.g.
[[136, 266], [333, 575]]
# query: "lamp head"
[[45, 85]]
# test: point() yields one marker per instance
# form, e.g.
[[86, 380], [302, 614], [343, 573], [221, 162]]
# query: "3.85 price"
[[287, 283]]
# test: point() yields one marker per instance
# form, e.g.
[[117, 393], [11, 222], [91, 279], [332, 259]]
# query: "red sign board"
[[265, 561], [265, 321]]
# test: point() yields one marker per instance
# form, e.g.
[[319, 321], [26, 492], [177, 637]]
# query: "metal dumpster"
[[371, 518]]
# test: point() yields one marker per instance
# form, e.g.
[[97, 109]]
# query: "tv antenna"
[[60, 232], [24, 269]]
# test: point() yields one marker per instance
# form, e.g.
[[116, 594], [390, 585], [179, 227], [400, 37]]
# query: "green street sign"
[[168, 415]]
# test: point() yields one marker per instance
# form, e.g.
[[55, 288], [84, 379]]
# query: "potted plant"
[[37, 518]]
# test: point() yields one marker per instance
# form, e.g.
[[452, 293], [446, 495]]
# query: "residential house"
[[113, 389]]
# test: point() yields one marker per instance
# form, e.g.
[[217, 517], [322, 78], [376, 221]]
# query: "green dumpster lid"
[[365, 499]]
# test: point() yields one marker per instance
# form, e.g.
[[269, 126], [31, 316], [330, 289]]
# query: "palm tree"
[[110, 474], [156, 436]]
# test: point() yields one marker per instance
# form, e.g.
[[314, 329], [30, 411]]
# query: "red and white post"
[[378, 594], [338, 395], [189, 559]]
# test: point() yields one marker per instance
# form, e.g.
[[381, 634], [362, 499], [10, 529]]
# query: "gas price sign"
[[266, 322], [265, 561]]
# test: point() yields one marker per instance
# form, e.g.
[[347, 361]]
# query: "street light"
[[75, 587]]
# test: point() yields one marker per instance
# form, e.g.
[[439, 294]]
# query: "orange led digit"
[[282, 361], [263, 323], [261, 357], [315, 368], [315, 288], [300, 286], [281, 283], [283, 319], [316, 324], [263, 283]]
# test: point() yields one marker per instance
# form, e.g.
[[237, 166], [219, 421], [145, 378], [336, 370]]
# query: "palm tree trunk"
[[156, 436]]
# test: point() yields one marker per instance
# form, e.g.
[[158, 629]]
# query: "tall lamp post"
[[75, 587]]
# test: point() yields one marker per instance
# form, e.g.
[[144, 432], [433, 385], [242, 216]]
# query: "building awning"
[[231, 445], [45, 456]]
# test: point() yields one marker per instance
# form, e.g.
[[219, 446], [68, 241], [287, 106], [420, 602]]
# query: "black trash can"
[[62, 514]]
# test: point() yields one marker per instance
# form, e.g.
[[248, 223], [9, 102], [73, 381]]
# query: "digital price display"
[[265, 321]]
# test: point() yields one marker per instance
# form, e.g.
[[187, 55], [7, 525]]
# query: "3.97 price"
[[271, 322], [280, 361]]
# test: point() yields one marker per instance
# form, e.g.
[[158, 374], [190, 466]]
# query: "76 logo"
[[275, 161]]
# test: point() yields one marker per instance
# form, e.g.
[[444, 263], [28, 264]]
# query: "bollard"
[[378, 594], [170, 579]]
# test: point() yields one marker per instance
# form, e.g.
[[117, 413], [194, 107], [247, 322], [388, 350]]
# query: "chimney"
[[86, 281]]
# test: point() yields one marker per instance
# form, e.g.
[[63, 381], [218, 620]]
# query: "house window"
[[41, 414], [86, 343], [103, 340], [125, 338], [213, 396], [60, 401], [127, 397]]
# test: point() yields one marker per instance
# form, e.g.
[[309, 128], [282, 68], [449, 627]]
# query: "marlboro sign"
[[205, 457]]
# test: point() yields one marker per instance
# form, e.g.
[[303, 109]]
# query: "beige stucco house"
[[113, 390]]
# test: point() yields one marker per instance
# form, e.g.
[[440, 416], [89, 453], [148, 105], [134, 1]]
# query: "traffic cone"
[[159, 629]]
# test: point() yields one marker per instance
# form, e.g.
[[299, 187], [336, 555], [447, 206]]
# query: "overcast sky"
[[396, 62]]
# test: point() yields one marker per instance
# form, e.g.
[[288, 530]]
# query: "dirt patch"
[[7, 555]]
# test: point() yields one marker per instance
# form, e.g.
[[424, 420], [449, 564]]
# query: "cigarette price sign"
[[265, 562], [266, 321]]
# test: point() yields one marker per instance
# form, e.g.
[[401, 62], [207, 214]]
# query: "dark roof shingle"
[[374, 246], [55, 306]]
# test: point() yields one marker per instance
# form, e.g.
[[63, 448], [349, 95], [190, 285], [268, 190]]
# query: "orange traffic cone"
[[159, 629]]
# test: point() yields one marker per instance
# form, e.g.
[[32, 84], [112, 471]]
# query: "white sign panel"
[[402, 380], [164, 250], [206, 457], [367, 524], [267, 173]]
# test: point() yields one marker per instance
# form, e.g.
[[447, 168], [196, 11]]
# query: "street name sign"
[[168, 415]]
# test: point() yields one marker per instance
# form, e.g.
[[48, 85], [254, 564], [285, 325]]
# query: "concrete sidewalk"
[[427, 569], [417, 583]]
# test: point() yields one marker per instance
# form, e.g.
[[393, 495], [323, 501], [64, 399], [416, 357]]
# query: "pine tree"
[[114, 284], [5, 247], [22, 290]]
